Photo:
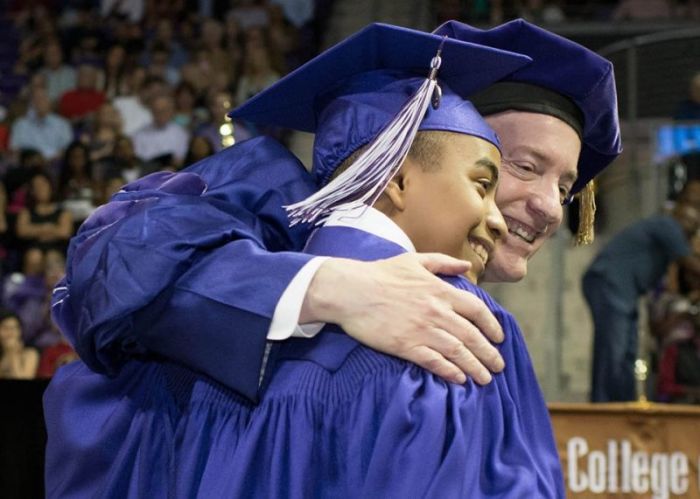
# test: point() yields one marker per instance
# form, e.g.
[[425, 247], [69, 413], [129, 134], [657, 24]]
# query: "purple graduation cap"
[[377, 89], [565, 80]]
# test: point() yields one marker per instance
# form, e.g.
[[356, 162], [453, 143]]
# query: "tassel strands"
[[587, 208], [365, 180]]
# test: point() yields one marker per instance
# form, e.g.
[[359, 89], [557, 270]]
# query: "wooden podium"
[[628, 449]]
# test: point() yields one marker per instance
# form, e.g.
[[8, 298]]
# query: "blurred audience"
[[163, 136], [675, 323]]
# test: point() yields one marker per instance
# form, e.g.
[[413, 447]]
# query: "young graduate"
[[158, 429], [150, 275]]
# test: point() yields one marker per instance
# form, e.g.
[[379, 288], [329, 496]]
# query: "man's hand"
[[398, 306]]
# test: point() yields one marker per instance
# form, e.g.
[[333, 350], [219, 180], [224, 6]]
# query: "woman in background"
[[16, 360]]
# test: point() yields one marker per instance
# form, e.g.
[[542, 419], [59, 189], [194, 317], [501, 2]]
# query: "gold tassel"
[[586, 215]]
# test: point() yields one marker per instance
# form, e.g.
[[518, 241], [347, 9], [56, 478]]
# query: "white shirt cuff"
[[286, 317]]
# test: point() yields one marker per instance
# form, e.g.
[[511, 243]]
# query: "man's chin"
[[505, 268]]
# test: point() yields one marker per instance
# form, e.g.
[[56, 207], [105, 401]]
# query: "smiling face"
[[540, 157], [449, 206]]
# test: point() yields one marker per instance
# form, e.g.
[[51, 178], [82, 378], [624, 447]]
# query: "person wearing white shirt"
[[163, 136]]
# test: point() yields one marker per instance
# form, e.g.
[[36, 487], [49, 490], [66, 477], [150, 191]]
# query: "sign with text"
[[628, 450]]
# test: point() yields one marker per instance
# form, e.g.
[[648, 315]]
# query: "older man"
[[203, 288]]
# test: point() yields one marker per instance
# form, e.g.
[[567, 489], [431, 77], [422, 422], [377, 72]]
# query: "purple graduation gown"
[[172, 262], [336, 420]]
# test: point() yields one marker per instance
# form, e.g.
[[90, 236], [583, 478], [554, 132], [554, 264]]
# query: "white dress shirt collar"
[[373, 221]]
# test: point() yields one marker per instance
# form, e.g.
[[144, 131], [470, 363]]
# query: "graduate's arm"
[[398, 306], [183, 246], [136, 267], [177, 277]]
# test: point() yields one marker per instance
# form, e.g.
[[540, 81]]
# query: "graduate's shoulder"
[[258, 156], [461, 283]]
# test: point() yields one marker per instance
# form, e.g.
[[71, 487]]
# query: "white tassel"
[[365, 180]]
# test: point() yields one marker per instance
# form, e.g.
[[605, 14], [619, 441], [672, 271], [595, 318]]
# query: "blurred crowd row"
[[97, 94]]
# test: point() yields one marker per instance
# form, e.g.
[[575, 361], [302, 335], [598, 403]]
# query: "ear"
[[395, 191]]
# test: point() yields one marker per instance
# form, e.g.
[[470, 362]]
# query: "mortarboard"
[[563, 67], [373, 89]]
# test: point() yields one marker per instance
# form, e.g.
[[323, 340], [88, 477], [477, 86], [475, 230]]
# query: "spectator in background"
[[41, 129], [122, 164], [261, 38], [218, 104], [213, 44], [159, 65], [675, 321], [60, 77], [199, 148], [29, 56], [88, 49], [44, 223], [199, 71], [81, 102], [630, 265], [35, 310], [102, 134], [679, 370], [17, 178], [163, 136], [24, 286], [258, 72], [16, 360], [186, 106], [133, 106], [115, 75], [689, 109], [165, 35], [111, 186], [76, 186]]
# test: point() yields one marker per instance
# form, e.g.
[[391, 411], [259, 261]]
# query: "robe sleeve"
[[176, 265]]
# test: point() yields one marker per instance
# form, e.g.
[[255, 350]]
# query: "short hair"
[[426, 149]]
